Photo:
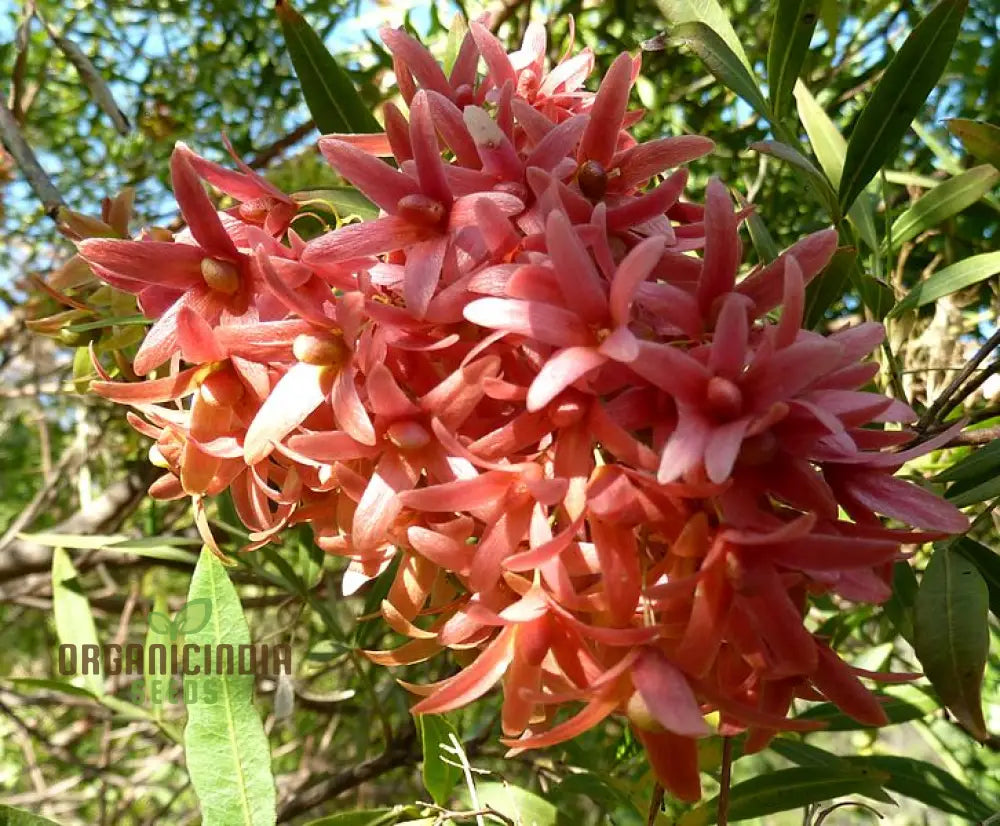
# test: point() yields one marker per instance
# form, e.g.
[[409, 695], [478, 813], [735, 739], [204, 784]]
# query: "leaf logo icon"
[[190, 619]]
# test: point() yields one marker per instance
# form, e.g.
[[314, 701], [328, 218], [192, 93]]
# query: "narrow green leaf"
[[979, 139], [899, 95], [710, 14], [815, 181], [520, 805], [440, 773], [779, 791], [831, 149], [952, 278], [951, 634], [344, 202], [227, 751], [124, 321], [10, 816], [74, 619], [899, 607], [329, 91], [828, 286], [163, 547], [982, 463], [716, 54], [927, 783], [901, 705], [792, 29], [945, 200], [962, 496], [987, 562], [359, 817]]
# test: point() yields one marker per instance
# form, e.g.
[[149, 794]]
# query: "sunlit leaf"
[[74, 620], [9, 816], [945, 200], [440, 772], [709, 13], [957, 276], [329, 91], [979, 139], [899, 95], [227, 751]]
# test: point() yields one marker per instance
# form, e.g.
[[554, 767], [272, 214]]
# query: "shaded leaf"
[[899, 95], [73, 617], [227, 751], [163, 547], [979, 139], [779, 791], [329, 91], [901, 705], [359, 817], [962, 496], [344, 202], [955, 277], [159, 631], [792, 29], [945, 200], [828, 287], [440, 772], [716, 54], [987, 562], [982, 463], [815, 181], [522, 806], [951, 634], [52, 685]]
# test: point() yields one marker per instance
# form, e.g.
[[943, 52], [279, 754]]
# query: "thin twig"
[[725, 780], [933, 413], [24, 157]]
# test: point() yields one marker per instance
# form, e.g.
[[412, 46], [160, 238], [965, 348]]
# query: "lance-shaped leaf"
[[945, 200], [815, 181], [329, 91], [722, 62], [955, 277], [359, 817], [92, 79], [979, 139], [227, 751], [828, 286], [711, 14], [899, 96], [831, 148], [791, 31], [951, 634], [779, 791], [440, 772], [158, 632], [74, 619]]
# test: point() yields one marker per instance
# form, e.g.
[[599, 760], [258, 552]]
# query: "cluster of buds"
[[613, 473]]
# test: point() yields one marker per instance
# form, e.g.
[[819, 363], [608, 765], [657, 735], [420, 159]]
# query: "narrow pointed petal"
[[632, 271], [422, 273], [599, 141], [381, 183], [197, 208], [667, 694], [560, 371], [473, 681], [534, 319], [297, 394], [722, 245]]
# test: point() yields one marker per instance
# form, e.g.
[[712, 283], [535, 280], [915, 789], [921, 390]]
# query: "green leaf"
[[979, 138], [123, 321], [359, 817], [523, 807], [792, 29], [779, 791], [899, 96], [927, 783], [193, 616], [329, 91], [955, 277], [10, 816], [945, 200], [831, 149], [815, 181], [716, 54], [982, 463], [962, 496], [987, 561], [74, 619], [899, 607], [344, 202], [710, 14], [227, 751], [828, 286], [440, 773], [161, 547], [951, 634], [901, 705]]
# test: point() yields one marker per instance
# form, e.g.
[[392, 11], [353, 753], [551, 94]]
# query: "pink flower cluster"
[[612, 471]]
